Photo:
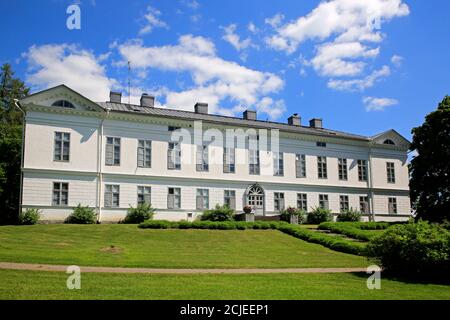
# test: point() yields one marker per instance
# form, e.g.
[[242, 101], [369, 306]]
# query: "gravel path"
[[62, 268]]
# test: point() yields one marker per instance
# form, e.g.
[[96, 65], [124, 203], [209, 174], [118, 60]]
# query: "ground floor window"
[[392, 205], [278, 201], [344, 203], [202, 199], [229, 199], [60, 193], [112, 196], [323, 201], [144, 195], [364, 204], [174, 198], [302, 202]]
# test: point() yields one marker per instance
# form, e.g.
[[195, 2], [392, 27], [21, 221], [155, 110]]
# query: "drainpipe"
[[100, 167], [17, 104], [371, 198]]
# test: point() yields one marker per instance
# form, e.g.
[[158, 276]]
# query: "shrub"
[[82, 215], [349, 216], [286, 215], [219, 213], [155, 224], [319, 215], [350, 229], [142, 212], [417, 249], [30, 216]]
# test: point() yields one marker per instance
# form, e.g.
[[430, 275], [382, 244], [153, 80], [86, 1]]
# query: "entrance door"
[[255, 199]]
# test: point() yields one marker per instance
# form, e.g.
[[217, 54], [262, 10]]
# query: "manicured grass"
[[129, 246], [52, 285]]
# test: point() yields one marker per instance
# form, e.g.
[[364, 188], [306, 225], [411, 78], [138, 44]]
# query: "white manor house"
[[113, 155]]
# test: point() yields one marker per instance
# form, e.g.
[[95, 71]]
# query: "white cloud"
[[193, 4], [232, 38], [275, 21], [329, 60], [378, 104], [252, 28], [397, 60], [215, 80], [348, 20], [52, 65], [360, 84], [152, 21]]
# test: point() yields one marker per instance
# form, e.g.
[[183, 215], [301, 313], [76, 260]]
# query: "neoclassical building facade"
[[113, 155]]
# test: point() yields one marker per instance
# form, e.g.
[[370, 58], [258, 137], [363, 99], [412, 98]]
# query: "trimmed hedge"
[[219, 213], [348, 229], [328, 241]]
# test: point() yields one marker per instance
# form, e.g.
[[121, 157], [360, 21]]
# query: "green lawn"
[[52, 285], [129, 246]]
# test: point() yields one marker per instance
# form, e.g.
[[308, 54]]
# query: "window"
[[302, 202], [144, 154], [364, 204], [202, 158], [174, 198], [392, 205], [321, 144], [390, 168], [362, 170], [63, 104], [112, 196], [342, 168], [229, 159], [300, 165], [278, 164], [62, 146], [343, 203], [253, 161], [171, 128], [322, 167], [389, 142], [144, 195], [60, 194], [112, 151], [323, 201], [229, 199], [278, 201], [202, 199], [174, 156]]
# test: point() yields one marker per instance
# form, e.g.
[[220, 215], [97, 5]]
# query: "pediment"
[[50, 97], [391, 138]]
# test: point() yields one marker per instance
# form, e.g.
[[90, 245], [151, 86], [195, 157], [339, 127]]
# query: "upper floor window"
[[278, 164], [229, 160], [112, 151], [202, 199], [389, 142], [321, 144], [392, 205], [390, 168], [229, 199], [174, 198], [60, 194], [144, 195], [322, 167], [202, 158], [62, 146], [63, 104], [342, 169], [362, 170], [174, 156], [144, 154], [300, 165], [253, 161], [112, 196]]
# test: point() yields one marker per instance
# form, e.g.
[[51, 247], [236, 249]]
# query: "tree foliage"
[[10, 144], [430, 169]]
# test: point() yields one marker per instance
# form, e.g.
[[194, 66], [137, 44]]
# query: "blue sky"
[[362, 66]]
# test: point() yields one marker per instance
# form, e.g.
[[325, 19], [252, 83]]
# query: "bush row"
[[347, 229], [331, 242]]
